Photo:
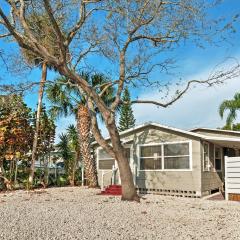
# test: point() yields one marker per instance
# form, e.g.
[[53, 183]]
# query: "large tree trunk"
[[129, 192], [128, 189], [39, 109], [84, 130]]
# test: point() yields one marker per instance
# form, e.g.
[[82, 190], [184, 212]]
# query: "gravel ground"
[[79, 213]]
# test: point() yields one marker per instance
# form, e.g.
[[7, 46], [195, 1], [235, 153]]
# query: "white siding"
[[232, 175]]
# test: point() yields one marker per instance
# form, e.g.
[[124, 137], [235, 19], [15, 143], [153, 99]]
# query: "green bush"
[[62, 180]]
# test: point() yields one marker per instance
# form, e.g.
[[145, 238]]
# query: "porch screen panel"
[[177, 156], [218, 159], [105, 161], [206, 161], [151, 157]]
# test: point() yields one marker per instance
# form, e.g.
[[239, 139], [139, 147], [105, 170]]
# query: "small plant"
[[62, 181]]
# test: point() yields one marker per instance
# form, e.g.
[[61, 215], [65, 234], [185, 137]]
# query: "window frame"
[[221, 158], [115, 162], [98, 159], [162, 156], [154, 157]]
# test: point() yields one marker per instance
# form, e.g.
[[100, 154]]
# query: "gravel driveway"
[[79, 213]]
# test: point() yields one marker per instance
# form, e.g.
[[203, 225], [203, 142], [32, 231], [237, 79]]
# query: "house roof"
[[149, 124], [215, 139], [216, 130]]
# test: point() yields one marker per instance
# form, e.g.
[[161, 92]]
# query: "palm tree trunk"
[[75, 163], [71, 176], [84, 130], [39, 108]]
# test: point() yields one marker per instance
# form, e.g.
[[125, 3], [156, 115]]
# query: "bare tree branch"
[[84, 54], [216, 78], [83, 16], [57, 30], [28, 42], [5, 35]]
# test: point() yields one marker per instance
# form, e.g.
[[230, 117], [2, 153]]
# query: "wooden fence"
[[232, 178]]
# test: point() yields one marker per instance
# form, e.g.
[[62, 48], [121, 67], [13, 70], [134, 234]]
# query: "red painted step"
[[115, 190]]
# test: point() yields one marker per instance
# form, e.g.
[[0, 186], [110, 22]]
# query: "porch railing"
[[104, 173]]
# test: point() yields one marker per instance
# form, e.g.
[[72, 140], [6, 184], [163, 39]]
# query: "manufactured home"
[[171, 161]]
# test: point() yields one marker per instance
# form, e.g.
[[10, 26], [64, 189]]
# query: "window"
[[150, 157], [105, 161], [206, 165], [172, 156], [218, 159], [176, 156]]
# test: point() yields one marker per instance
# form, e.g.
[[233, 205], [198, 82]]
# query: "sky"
[[197, 108]]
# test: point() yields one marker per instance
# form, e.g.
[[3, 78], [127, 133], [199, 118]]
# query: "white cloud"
[[198, 108]]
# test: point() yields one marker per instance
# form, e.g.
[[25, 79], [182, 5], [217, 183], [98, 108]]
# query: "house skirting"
[[167, 192]]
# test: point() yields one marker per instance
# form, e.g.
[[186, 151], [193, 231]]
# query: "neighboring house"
[[53, 160], [171, 161]]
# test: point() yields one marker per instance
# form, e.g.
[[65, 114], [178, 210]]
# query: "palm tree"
[[66, 99], [233, 106], [44, 33], [67, 155], [72, 135]]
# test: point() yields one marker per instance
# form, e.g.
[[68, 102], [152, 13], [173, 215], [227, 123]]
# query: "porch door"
[[106, 164]]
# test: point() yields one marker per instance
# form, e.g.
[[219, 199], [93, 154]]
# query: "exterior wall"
[[168, 180], [175, 182], [165, 181], [212, 179]]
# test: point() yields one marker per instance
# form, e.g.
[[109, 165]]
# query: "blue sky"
[[199, 107]]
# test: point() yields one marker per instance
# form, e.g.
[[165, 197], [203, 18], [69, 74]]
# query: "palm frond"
[[231, 116], [63, 147], [225, 105], [60, 99], [232, 106], [72, 134]]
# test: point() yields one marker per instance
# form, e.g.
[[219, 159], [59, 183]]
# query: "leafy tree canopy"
[[16, 132], [46, 135], [127, 119]]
